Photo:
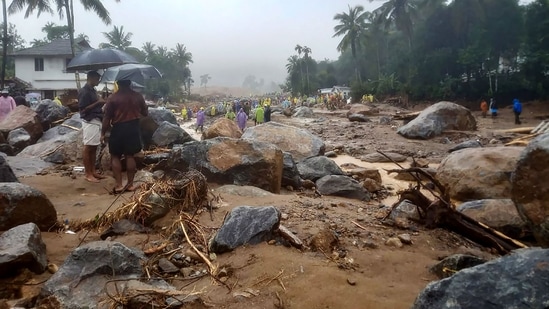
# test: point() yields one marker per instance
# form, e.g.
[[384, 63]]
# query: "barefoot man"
[[90, 105], [122, 112]]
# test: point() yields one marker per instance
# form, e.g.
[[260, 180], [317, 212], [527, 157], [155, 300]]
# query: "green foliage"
[[15, 42]]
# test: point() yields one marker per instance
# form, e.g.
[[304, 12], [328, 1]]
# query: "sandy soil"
[[385, 277]]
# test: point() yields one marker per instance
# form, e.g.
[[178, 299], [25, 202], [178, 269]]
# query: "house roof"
[[59, 47]]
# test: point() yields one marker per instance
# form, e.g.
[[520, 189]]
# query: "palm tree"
[[306, 52], [117, 38], [64, 8], [299, 49], [149, 49], [292, 64], [351, 26], [204, 80], [182, 56]]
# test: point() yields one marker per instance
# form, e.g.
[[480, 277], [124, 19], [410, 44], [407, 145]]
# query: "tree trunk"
[[378, 64], [70, 23], [4, 42], [308, 85]]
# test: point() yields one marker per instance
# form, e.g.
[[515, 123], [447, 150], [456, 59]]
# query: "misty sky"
[[229, 39]]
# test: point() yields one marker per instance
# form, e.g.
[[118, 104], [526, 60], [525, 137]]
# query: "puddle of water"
[[388, 180], [189, 127]]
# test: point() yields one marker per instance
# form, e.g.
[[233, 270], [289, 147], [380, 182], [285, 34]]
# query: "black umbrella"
[[96, 59], [135, 72]]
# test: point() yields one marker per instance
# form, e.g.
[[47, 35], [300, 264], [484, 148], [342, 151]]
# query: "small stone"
[[284, 216], [369, 244], [213, 256], [351, 281], [167, 266], [188, 259], [186, 271], [371, 185], [331, 154], [308, 184], [405, 239], [394, 242], [272, 242], [192, 255]]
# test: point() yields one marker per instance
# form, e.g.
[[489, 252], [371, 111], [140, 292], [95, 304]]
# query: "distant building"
[[44, 67], [337, 89]]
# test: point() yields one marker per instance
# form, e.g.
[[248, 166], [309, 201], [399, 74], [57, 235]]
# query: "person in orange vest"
[[484, 108]]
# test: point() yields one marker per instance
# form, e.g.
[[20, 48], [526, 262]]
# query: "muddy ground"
[[381, 276]]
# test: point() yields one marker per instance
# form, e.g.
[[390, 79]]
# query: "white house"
[[44, 68]]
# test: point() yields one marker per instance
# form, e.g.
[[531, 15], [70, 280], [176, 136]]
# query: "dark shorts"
[[125, 138]]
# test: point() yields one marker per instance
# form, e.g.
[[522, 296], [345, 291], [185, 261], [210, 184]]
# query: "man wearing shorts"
[[122, 112], [91, 113]]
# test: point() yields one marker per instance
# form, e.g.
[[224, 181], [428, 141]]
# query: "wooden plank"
[[524, 130]]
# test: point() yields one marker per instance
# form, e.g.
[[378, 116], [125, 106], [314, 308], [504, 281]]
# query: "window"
[[39, 64]]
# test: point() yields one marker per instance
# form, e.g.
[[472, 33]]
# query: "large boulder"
[[22, 247], [358, 118], [518, 280], [19, 139], [530, 189], [303, 112], [479, 173], [62, 149], [344, 186], [290, 173], [49, 112], [299, 142], [68, 126], [169, 134], [501, 215], [232, 161], [362, 109], [247, 191], [222, 127], [438, 118], [314, 168], [246, 225], [20, 204], [6, 173], [22, 117], [148, 126], [81, 281], [160, 115], [451, 264]]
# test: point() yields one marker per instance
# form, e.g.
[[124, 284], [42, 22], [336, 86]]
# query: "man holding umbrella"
[[90, 105], [122, 112]]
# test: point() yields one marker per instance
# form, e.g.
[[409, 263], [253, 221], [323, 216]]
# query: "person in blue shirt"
[[517, 109]]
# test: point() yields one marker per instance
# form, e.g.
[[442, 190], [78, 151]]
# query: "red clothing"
[[7, 104], [125, 105]]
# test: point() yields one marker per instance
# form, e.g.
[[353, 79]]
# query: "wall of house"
[[53, 77]]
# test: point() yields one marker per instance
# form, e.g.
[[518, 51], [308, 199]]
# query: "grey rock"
[[80, 281], [299, 142], [247, 191], [24, 166], [405, 238], [7, 149], [339, 185], [479, 173], [160, 115], [466, 144], [501, 215], [290, 173], [22, 204], [63, 149], [68, 126], [49, 112], [530, 191], [246, 225], [364, 173], [6, 173], [384, 120], [168, 134], [409, 177], [518, 280], [159, 207], [454, 263], [123, 227], [19, 139], [231, 161], [167, 267], [405, 210], [376, 157], [437, 118], [143, 176], [156, 157], [331, 154], [22, 247], [358, 118], [285, 233], [303, 112], [314, 168]]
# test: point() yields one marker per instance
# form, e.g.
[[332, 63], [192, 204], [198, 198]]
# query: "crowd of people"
[[493, 109]]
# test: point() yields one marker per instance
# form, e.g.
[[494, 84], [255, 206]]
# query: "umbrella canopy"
[[137, 73], [96, 59]]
